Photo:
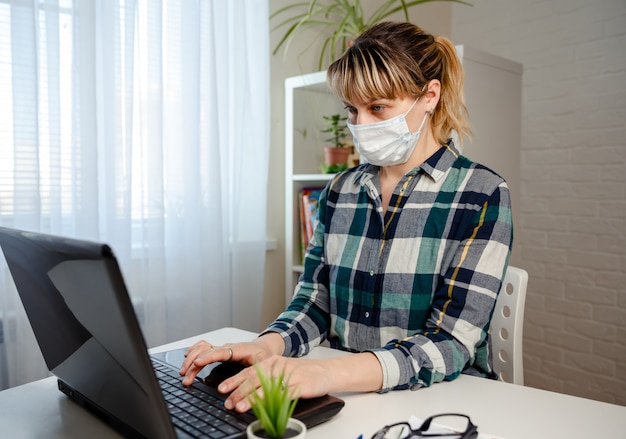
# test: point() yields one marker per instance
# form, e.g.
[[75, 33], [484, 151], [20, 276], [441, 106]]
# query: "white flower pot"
[[255, 427]]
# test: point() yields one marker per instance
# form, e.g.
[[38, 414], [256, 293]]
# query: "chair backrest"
[[507, 327]]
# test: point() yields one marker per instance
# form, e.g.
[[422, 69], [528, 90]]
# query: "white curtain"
[[143, 124]]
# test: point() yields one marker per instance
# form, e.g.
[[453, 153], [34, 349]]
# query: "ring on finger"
[[231, 353]]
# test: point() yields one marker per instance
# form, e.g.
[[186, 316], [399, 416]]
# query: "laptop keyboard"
[[194, 410]]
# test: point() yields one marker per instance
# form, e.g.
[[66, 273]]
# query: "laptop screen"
[[76, 301]]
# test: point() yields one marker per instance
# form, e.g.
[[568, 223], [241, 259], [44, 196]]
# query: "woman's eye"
[[351, 109], [377, 108]]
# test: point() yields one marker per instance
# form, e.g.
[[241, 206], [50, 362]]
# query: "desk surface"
[[39, 410]]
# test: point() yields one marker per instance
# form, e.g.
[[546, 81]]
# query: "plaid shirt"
[[415, 285]]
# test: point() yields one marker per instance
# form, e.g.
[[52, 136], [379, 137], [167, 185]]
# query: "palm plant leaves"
[[338, 20]]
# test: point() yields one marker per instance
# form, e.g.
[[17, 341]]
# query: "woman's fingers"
[[304, 377], [202, 354], [240, 387]]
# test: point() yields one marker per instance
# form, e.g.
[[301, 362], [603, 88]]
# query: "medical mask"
[[386, 143]]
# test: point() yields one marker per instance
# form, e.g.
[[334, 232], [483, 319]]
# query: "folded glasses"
[[432, 427]]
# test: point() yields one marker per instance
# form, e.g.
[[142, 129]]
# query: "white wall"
[[572, 233]]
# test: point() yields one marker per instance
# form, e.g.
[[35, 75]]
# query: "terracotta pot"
[[336, 156], [296, 427]]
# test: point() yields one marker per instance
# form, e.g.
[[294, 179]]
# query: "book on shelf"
[[308, 202], [303, 238]]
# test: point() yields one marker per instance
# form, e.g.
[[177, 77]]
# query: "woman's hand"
[[204, 353], [306, 378]]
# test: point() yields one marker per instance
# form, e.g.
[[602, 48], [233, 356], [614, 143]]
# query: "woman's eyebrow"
[[370, 102]]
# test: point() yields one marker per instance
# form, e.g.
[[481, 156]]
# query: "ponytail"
[[451, 113]]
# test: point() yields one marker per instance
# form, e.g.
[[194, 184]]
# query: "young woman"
[[411, 246]]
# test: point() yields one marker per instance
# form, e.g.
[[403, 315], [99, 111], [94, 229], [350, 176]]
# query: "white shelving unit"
[[307, 98], [493, 88]]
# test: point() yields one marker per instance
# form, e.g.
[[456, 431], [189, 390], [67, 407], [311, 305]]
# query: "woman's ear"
[[431, 97]]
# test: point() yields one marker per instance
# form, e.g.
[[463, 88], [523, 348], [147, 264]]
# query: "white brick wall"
[[572, 235]]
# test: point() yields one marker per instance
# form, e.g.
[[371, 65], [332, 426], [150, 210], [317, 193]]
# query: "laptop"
[[77, 303]]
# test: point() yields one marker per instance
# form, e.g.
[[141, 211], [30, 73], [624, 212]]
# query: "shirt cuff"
[[390, 367], [288, 347]]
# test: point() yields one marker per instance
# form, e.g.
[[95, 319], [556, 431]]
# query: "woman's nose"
[[362, 118]]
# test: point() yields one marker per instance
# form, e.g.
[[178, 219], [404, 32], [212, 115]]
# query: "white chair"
[[507, 327]]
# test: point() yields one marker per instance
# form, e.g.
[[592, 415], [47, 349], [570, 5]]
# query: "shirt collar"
[[438, 164]]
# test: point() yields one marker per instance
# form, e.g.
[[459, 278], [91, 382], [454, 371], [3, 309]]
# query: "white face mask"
[[386, 143]]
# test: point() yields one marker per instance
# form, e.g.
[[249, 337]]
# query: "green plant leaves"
[[336, 126], [339, 21], [276, 406]]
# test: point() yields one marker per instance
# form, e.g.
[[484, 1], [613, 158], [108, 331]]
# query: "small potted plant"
[[336, 155], [274, 409]]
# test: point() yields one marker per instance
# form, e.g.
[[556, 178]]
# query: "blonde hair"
[[398, 59]]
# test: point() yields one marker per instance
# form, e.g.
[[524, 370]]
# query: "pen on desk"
[[360, 437]]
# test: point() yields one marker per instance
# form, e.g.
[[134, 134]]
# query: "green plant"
[[338, 21], [277, 404], [333, 169], [336, 126]]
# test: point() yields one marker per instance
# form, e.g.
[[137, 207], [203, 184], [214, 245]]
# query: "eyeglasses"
[[464, 429]]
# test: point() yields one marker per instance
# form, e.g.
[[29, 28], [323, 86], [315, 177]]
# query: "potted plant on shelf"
[[336, 155], [274, 409], [339, 21]]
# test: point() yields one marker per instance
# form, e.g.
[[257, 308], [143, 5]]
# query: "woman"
[[411, 246]]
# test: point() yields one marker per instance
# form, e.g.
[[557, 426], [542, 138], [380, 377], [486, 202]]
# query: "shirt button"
[[371, 272], [367, 314]]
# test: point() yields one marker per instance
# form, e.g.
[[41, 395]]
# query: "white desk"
[[39, 410]]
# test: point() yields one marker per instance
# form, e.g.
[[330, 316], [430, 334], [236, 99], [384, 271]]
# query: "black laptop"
[[84, 322]]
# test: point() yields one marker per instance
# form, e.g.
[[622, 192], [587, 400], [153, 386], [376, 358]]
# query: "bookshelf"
[[493, 88], [307, 99]]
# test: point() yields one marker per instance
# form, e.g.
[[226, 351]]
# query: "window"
[[121, 122]]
